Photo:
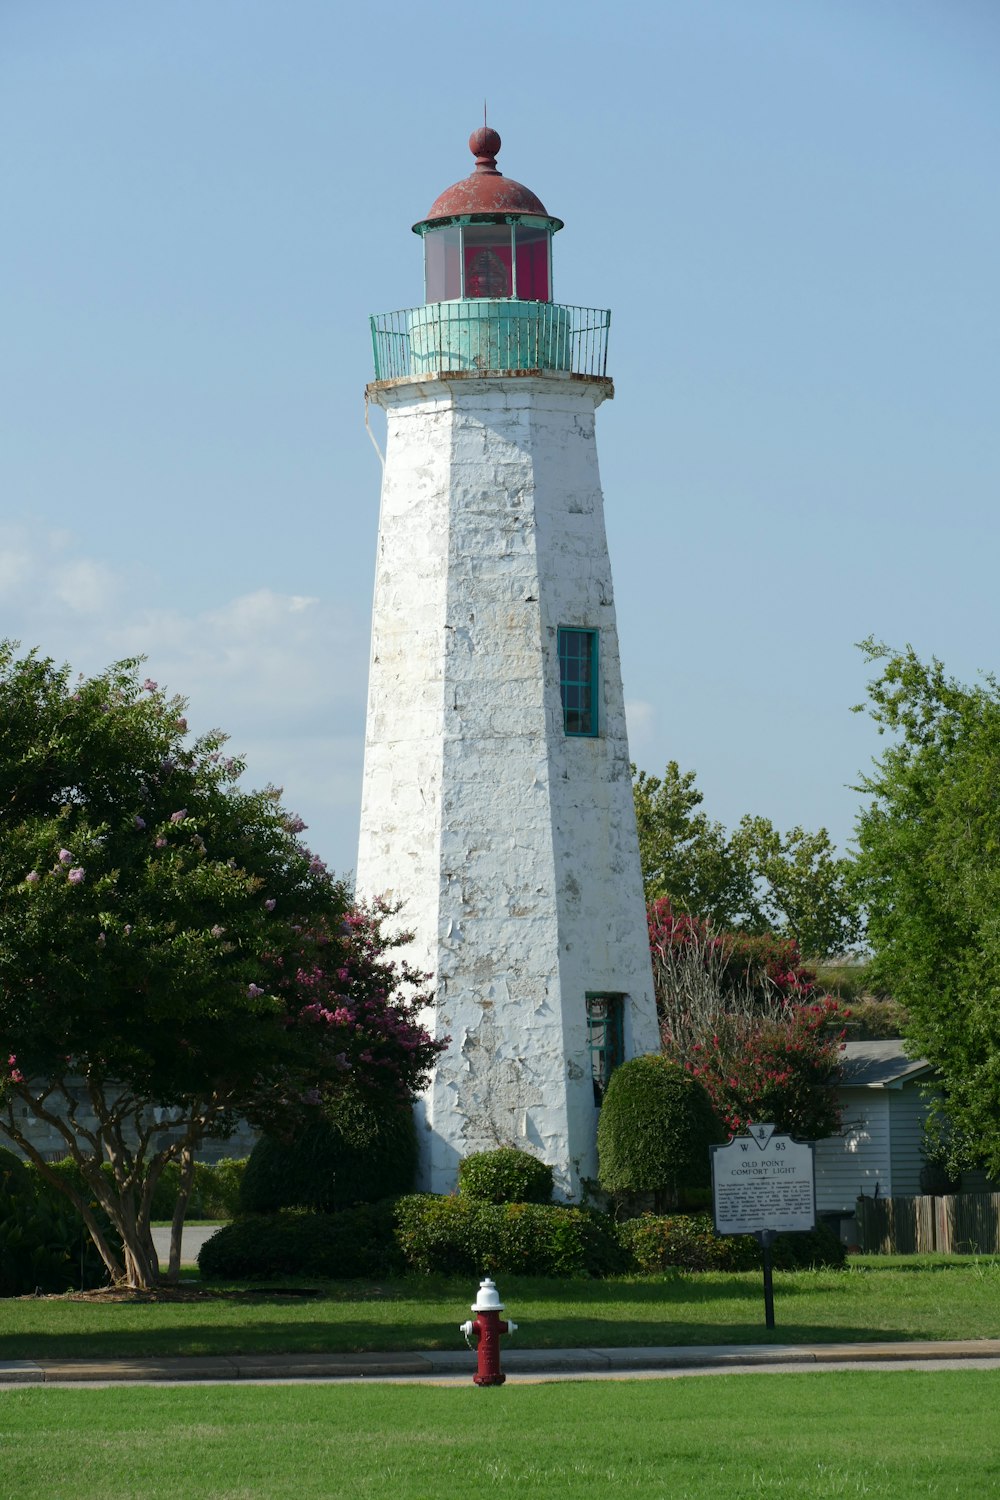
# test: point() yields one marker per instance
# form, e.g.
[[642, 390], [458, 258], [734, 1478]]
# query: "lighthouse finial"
[[484, 144]]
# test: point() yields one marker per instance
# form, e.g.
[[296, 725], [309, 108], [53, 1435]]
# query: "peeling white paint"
[[512, 847]]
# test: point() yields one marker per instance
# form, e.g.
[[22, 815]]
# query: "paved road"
[[192, 1240]]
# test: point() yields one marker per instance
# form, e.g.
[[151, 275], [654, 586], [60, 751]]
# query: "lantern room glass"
[[531, 263], [443, 264], [494, 261]]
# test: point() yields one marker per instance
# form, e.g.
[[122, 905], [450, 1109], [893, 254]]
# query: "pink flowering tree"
[[779, 1068], [746, 1018], [172, 957]]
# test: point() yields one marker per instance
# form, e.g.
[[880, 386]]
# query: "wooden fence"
[[965, 1223]]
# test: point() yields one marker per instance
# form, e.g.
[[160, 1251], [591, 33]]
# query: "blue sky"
[[790, 207]]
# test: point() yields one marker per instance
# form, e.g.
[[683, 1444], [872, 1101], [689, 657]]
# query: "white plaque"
[[763, 1181]]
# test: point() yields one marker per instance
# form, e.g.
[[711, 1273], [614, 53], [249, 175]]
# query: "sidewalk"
[[525, 1363]]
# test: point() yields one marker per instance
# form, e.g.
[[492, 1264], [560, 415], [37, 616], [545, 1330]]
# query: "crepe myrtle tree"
[[172, 957]]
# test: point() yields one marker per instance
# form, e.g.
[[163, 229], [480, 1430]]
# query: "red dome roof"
[[486, 190]]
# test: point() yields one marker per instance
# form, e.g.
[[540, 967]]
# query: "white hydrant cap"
[[488, 1299]]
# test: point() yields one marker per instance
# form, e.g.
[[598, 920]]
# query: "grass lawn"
[[897, 1436], [877, 1298]]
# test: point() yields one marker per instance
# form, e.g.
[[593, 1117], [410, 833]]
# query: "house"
[[885, 1101]]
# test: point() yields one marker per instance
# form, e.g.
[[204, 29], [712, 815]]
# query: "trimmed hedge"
[[689, 1242], [505, 1175], [455, 1236], [363, 1152], [461, 1236], [259, 1247], [654, 1131]]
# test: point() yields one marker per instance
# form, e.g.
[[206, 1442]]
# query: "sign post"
[[763, 1184]]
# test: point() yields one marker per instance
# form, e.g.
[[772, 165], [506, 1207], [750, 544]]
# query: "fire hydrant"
[[487, 1327]]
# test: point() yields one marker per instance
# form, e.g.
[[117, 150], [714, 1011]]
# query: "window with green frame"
[[605, 1037], [578, 680]]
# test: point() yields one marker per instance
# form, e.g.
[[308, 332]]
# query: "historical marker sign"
[[763, 1182]]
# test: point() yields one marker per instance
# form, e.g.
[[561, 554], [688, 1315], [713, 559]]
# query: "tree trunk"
[[180, 1209], [142, 1268]]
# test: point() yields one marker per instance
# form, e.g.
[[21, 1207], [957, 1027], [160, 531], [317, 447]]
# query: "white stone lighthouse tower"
[[497, 799]]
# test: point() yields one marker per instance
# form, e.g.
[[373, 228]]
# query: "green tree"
[[172, 957], [685, 856], [929, 872], [804, 889], [756, 880]]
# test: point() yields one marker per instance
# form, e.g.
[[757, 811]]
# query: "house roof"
[[880, 1065]]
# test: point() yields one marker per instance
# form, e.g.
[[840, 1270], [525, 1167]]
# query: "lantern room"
[[487, 237]]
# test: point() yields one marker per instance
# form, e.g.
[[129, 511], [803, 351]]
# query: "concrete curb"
[[430, 1363]]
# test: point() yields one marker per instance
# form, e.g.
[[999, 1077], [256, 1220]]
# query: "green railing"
[[491, 337]]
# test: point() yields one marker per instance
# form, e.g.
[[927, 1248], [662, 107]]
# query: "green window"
[[578, 680], [605, 1038]]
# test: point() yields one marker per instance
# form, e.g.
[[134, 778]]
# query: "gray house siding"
[[909, 1107], [858, 1159]]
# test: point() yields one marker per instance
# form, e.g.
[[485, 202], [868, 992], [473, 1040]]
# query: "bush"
[[688, 1241], [217, 1188], [780, 1068], [655, 1129], [506, 1175], [215, 1191], [44, 1244], [463, 1236], [361, 1153], [355, 1242], [818, 1249]]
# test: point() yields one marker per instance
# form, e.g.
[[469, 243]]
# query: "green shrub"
[[44, 1244], [659, 1242], [688, 1241], [217, 1188], [819, 1248], [505, 1175], [361, 1153], [462, 1236], [354, 1242], [655, 1129], [437, 1235]]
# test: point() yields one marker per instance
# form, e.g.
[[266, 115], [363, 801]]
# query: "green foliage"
[[815, 1249], [138, 849], [871, 1019], [684, 855], [43, 1243], [167, 937], [805, 890], [356, 1241], [849, 980], [505, 1175], [655, 1129], [215, 1192], [757, 879], [661, 1242], [362, 1151], [929, 872], [689, 1242], [449, 1236], [217, 1188]]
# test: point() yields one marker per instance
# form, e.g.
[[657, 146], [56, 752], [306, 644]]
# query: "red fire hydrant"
[[488, 1327]]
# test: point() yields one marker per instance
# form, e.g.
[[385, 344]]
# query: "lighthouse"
[[497, 801]]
